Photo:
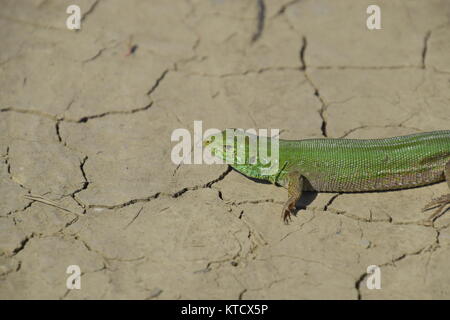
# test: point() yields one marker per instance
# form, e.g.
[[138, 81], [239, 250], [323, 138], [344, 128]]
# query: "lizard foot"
[[286, 215], [440, 203], [288, 209]]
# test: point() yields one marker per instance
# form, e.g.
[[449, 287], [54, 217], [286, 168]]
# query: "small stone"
[[365, 243]]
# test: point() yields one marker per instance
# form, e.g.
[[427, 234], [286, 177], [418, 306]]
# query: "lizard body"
[[345, 165]]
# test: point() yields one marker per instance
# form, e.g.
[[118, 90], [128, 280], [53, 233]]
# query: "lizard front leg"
[[440, 202], [295, 187]]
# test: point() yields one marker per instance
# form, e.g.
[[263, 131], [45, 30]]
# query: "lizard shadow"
[[305, 200], [307, 197]]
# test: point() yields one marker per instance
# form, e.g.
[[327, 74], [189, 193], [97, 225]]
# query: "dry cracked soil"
[[86, 176]]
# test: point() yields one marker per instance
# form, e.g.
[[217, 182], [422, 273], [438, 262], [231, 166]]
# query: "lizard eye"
[[209, 140]]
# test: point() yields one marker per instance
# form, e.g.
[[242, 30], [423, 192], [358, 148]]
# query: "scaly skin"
[[350, 165]]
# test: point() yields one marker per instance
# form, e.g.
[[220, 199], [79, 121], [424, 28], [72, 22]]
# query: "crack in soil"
[[284, 7], [89, 11], [161, 194], [108, 113], [236, 203], [84, 185], [325, 208], [323, 126], [84, 119], [22, 244], [431, 247], [425, 48], [323, 108], [8, 170], [302, 54], [125, 204], [261, 20], [157, 82]]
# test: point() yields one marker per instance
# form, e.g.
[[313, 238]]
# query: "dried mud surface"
[[85, 170]]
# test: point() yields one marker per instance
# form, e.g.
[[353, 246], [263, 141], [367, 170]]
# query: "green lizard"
[[344, 165]]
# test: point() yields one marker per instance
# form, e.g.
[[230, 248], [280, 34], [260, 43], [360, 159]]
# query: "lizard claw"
[[442, 200], [286, 215], [440, 203], [288, 210]]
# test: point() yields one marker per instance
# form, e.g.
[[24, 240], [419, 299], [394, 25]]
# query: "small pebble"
[[365, 243]]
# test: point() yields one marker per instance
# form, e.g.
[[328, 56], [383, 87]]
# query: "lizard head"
[[231, 144], [252, 155]]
